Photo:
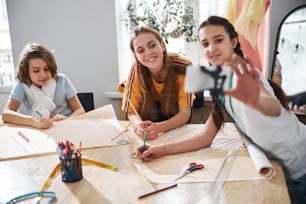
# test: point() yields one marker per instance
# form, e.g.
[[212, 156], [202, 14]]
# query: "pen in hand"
[[44, 113], [144, 142], [38, 113]]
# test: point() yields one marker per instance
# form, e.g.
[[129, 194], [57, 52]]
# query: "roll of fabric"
[[261, 162]]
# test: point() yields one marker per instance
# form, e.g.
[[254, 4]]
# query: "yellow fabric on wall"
[[231, 11], [251, 16]]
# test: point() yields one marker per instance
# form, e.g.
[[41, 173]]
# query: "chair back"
[[87, 100]]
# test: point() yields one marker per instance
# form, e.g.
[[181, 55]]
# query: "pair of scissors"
[[192, 167]]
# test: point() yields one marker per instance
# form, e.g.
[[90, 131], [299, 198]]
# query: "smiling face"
[[216, 44], [148, 51], [39, 72]]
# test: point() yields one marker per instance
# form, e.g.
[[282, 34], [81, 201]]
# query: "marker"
[[23, 136], [144, 142], [38, 113]]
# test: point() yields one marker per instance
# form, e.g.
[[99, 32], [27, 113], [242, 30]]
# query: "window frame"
[[6, 58], [191, 50]]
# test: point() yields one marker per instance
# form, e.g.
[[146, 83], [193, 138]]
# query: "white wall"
[[82, 33]]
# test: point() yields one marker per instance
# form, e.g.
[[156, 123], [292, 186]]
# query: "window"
[[7, 74], [202, 9]]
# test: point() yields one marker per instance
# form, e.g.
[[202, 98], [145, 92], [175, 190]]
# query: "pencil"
[[134, 110], [157, 191], [122, 132], [80, 148]]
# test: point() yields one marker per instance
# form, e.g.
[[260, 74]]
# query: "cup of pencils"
[[70, 161]]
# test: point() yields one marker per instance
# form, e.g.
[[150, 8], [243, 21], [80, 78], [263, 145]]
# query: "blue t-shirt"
[[63, 92]]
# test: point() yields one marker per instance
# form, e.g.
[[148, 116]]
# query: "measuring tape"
[[85, 161], [50, 179]]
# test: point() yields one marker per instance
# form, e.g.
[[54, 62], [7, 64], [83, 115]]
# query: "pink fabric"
[[259, 54]]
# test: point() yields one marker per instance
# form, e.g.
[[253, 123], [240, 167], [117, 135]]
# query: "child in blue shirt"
[[46, 95]]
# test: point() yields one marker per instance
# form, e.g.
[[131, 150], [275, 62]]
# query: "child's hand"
[[152, 130], [58, 117], [42, 123], [147, 126], [150, 153]]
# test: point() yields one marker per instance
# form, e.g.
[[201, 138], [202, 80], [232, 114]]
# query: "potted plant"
[[171, 18]]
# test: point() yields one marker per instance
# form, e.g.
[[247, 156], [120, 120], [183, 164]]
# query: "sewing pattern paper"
[[167, 168]]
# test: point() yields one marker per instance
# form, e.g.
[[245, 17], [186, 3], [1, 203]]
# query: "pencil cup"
[[71, 169]]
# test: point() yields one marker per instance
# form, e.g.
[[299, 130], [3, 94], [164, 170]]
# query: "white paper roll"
[[261, 162]]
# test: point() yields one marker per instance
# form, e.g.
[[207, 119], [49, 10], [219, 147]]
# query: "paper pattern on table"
[[105, 192], [223, 141], [232, 136], [175, 134], [95, 129], [25, 144], [13, 145], [158, 170]]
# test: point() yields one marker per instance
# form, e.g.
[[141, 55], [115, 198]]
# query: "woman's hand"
[[149, 127], [150, 153], [248, 84], [249, 89]]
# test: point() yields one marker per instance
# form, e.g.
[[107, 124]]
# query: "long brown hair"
[[169, 98], [220, 116]]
